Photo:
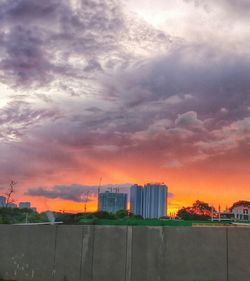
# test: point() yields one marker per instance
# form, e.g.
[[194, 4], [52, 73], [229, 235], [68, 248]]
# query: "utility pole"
[[212, 214], [85, 200], [219, 214]]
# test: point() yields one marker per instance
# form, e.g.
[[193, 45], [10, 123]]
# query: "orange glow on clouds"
[[216, 187]]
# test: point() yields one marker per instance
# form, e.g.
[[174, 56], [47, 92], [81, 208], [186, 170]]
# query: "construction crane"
[[99, 189]]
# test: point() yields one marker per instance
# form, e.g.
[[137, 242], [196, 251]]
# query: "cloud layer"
[[74, 192], [90, 89]]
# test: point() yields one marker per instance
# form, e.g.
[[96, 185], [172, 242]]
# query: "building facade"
[[155, 200], [136, 200], [150, 201], [24, 205], [241, 213], [2, 201], [12, 205], [112, 201]]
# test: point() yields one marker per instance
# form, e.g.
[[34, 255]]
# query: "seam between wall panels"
[[81, 261], [93, 253], [128, 254], [54, 261], [227, 257]]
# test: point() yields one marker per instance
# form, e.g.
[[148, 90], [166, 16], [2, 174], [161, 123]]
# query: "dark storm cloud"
[[24, 60], [38, 37], [46, 41], [189, 100], [74, 192], [77, 192], [186, 74]]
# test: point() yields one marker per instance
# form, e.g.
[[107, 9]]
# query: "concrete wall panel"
[[109, 261], [11, 251], [68, 253], [195, 254], [28, 252], [41, 251], [87, 253], [239, 254], [147, 254], [107, 253]]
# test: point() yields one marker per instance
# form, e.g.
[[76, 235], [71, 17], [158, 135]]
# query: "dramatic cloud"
[[79, 193], [52, 34], [17, 117], [74, 192], [94, 88], [50, 40]]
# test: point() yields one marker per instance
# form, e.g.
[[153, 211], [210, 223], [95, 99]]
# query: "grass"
[[147, 222]]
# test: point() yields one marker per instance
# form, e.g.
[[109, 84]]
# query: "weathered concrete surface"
[[10, 250], [68, 253], [41, 251], [239, 254], [109, 261], [147, 254], [27, 253], [87, 253], [111, 253], [195, 254]]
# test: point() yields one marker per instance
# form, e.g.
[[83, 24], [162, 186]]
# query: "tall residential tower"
[[150, 201], [155, 200], [136, 199]]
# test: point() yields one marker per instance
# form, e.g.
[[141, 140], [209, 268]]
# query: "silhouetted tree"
[[241, 203], [136, 217], [15, 215], [104, 215], [121, 214], [9, 194], [198, 211]]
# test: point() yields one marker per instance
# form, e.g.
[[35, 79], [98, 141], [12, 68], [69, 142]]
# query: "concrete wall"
[[110, 253]]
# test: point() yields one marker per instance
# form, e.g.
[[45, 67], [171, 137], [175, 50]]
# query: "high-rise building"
[[24, 205], [2, 201], [155, 200], [112, 201], [136, 199]]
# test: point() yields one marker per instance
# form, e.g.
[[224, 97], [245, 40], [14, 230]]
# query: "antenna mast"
[[85, 200]]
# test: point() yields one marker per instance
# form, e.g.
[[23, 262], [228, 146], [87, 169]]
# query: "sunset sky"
[[127, 91]]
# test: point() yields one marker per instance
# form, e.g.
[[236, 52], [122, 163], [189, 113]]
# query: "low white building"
[[12, 205], [241, 213], [24, 205]]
